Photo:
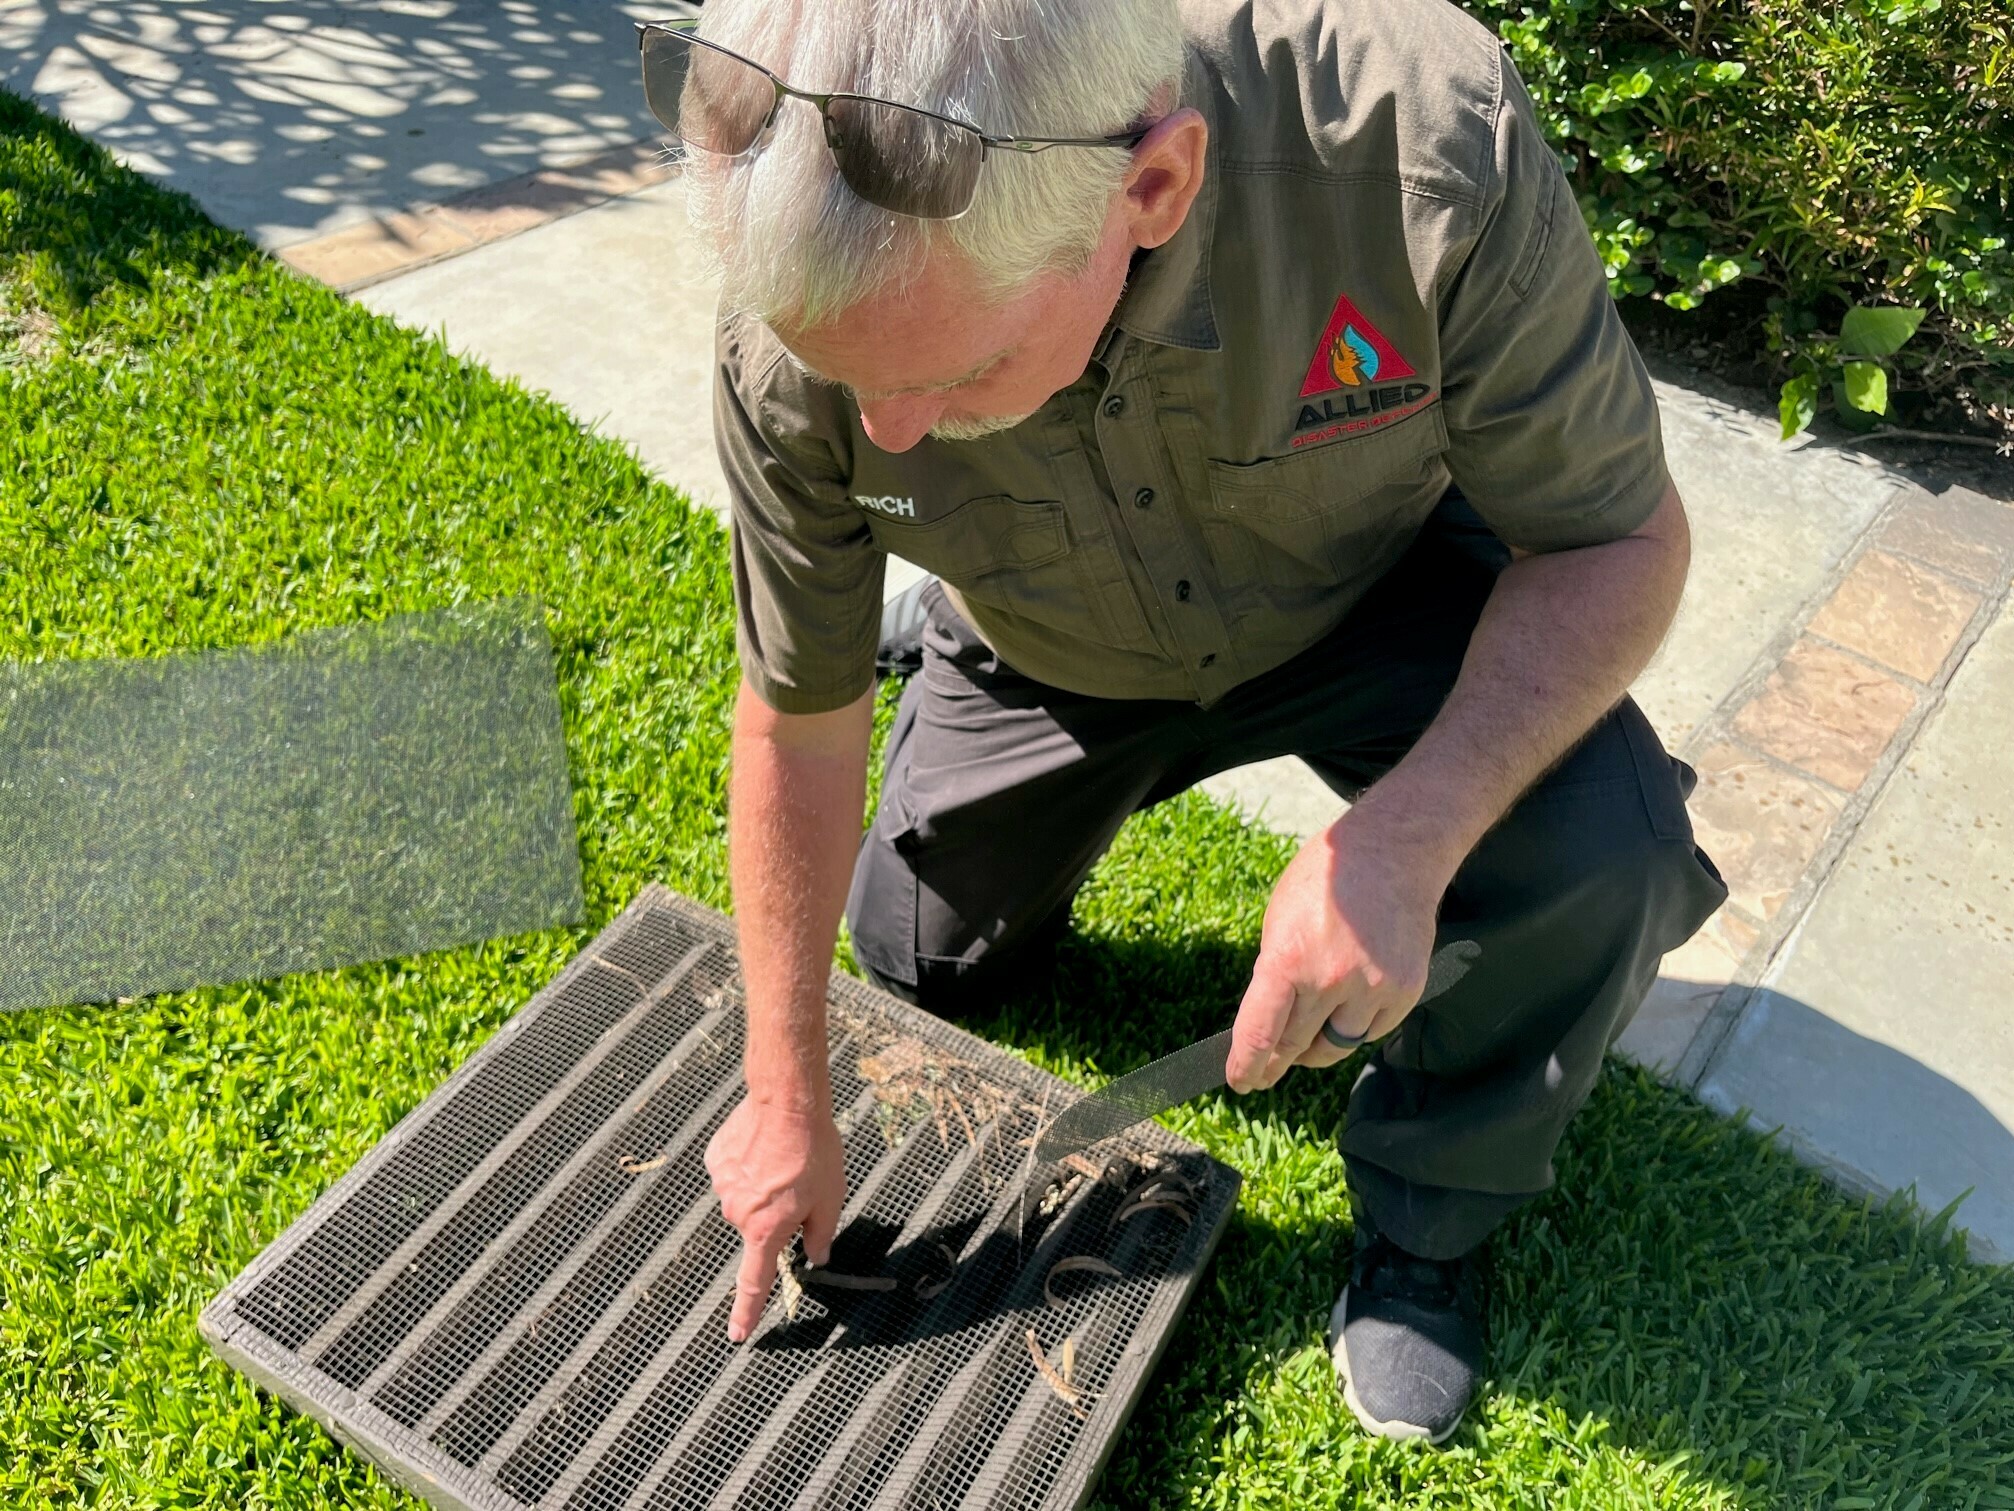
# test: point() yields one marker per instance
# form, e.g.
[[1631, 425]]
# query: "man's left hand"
[[1348, 934]]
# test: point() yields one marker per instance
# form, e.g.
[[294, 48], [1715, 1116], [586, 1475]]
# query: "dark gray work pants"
[[1001, 793]]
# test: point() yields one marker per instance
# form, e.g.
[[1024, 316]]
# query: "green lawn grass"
[[203, 450]]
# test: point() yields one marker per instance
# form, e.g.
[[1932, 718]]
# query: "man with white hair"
[[1245, 374]]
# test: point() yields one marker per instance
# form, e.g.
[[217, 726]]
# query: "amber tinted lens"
[[904, 160], [707, 98]]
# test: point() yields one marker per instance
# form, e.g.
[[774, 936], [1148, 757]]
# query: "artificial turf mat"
[[202, 450]]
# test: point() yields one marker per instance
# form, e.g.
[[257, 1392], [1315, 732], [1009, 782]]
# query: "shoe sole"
[[1393, 1431]]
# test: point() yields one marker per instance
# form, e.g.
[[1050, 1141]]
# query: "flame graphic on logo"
[[1352, 359]]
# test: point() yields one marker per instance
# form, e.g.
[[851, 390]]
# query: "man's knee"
[[1608, 826], [928, 950]]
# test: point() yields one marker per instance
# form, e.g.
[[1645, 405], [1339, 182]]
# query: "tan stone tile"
[[1898, 613], [1826, 712], [1760, 823], [531, 199], [517, 204], [620, 170], [1967, 534], [375, 248]]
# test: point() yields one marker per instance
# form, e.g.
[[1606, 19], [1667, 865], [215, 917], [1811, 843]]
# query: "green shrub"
[[1839, 154]]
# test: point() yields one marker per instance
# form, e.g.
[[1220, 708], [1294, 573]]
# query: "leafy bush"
[[1842, 153]]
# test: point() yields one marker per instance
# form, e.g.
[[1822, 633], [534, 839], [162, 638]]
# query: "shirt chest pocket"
[[1309, 521], [995, 549]]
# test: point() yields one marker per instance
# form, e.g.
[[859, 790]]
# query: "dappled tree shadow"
[[288, 119]]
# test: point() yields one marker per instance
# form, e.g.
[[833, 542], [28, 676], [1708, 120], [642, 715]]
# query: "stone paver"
[[402, 240], [1882, 1042], [1827, 713], [1761, 822], [1897, 613]]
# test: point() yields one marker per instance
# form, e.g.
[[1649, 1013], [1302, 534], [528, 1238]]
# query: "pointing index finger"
[[752, 1286]]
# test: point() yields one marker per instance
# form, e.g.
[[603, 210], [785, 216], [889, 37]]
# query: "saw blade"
[[1176, 1078]]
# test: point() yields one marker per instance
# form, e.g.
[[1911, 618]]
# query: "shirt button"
[[1115, 406], [1209, 660], [1182, 590], [1143, 498]]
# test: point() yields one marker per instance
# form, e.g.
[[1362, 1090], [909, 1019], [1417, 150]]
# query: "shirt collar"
[[1168, 294]]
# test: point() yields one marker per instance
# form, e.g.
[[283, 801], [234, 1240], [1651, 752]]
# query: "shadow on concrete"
[[292, 119], [1870, 1116], [1686, 1291]]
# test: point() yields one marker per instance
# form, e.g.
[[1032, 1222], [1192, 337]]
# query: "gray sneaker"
[[1406, 1337]]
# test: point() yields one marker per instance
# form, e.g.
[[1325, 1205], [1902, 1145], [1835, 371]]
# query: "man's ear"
[[1166, 175]]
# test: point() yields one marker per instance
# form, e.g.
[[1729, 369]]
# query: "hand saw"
[[1176, 1078]]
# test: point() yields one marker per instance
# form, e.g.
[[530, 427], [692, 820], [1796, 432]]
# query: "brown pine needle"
[[610, 965]]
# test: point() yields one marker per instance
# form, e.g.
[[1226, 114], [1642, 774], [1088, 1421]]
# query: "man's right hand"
[[776, 1169]]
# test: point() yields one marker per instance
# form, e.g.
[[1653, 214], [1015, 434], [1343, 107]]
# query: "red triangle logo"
[[1351, 353]]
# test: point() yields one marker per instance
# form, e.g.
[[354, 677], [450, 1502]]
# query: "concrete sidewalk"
[[1841, 673]]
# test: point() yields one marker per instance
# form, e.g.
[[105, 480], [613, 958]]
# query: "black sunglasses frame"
[[686, 31]]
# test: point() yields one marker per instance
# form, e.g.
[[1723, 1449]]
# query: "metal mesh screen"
[[343, 796], [520, 1297]]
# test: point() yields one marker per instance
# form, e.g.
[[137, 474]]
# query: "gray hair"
[[794, 244]]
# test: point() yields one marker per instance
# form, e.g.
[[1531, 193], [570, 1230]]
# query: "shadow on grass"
[[1687, 1296], [76, 229]]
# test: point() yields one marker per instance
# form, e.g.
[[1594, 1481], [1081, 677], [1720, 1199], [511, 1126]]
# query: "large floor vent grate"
[[519, 1298]]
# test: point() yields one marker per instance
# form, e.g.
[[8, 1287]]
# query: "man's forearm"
[[1558, 644], [794, 809]]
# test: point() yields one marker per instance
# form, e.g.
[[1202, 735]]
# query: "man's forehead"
[[892, 349]]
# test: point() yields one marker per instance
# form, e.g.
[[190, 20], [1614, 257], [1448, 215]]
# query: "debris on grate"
[[518, 1300]]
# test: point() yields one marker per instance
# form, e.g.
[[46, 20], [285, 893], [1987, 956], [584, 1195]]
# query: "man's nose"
[[898, 424]]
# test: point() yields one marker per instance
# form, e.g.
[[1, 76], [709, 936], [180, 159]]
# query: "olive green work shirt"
[[1384, 284]]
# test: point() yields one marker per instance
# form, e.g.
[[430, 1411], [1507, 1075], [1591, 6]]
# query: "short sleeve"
[[1552, 423], [807, 574]]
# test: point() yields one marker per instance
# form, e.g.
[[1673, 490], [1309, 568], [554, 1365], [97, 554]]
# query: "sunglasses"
[[898, 157]]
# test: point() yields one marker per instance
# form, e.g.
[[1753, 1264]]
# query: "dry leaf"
[[930, 1290], [793, 1293], [1076, 1263], [1173, 1209], [1067, 1393]]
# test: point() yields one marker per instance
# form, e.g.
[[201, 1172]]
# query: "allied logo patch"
[[1352, 353]]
